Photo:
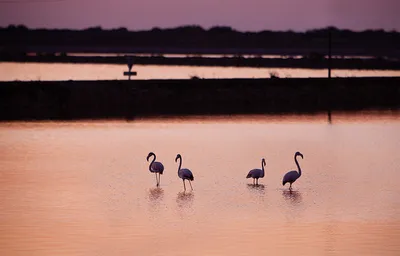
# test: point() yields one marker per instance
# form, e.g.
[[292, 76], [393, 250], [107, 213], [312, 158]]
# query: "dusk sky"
[[242, 15]]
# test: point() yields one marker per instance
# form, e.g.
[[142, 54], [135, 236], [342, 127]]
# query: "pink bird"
[[292, 176], [183, 173], [257, 173], [155, 167]]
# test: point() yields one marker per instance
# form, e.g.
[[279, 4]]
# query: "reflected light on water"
[[66, 71], [84, 188]]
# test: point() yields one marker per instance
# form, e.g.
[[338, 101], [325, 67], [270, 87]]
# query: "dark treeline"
[[195, 39], [122, 99], [311, 61]]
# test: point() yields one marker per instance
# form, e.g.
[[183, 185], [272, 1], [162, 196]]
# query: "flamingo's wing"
[[157, 167], [290, 177], [255, 173], [186, 174]]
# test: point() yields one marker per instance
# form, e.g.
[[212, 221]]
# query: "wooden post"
[[130, 73]]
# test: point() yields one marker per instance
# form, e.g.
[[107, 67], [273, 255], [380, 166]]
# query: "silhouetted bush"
[[195, 39]]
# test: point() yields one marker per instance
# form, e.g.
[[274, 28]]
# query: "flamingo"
[[184, 174], [292, 176], [155, 167], [257, 173]]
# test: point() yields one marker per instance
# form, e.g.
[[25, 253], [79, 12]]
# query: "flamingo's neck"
[[262, 168], [298, 166], [180, 164], [152, 161]]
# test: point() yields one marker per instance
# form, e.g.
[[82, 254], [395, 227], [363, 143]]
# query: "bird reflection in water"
[[292, 196], [156, 194], [185, 199], [260, 188]]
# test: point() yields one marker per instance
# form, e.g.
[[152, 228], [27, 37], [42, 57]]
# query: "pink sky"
[[243, 15]]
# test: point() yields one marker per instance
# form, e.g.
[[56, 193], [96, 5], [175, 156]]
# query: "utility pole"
[[329, 52], [329, 73]]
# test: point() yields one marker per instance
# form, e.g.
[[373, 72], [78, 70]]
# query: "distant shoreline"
[[127, 100], [54, 46], [19, 39], [310, 62]]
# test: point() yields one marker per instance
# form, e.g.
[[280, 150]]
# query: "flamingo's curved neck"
[[152, 161], [180, 163], [298, 166], [262, 168]]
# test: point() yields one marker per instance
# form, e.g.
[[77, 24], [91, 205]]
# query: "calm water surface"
[[83, 188], [63, 71]]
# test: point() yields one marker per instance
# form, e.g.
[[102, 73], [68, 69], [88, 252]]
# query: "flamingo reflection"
[[291, 195], [184, 199], [156, 193], [256, 187]]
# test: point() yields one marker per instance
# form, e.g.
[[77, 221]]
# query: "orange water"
[[63, 71], [83, 188]]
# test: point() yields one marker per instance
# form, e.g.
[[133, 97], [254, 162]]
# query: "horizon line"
[[205, 29]]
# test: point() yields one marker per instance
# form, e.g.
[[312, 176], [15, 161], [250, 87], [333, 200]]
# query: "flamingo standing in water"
[[184, 174], [155, 167], [257, 173], [292, 176]]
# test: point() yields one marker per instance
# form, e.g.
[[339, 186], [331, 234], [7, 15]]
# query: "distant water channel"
[[84, 188], [59, 71]]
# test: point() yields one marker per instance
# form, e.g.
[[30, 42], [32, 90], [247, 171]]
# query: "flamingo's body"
[[292, 176], [257, 173], [155, 167], [184, 173]]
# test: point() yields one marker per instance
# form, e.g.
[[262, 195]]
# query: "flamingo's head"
[[177, 157], [299, 154], [149, 155]]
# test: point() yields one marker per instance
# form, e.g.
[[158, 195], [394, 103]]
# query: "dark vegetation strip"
[[74, 100], [314, 61], [195, 39]]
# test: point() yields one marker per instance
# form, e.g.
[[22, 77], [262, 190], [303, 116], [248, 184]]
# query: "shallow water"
[[67, 71], [83, 188]]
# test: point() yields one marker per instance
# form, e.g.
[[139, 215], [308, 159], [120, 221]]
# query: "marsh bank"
[[116, 99]]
